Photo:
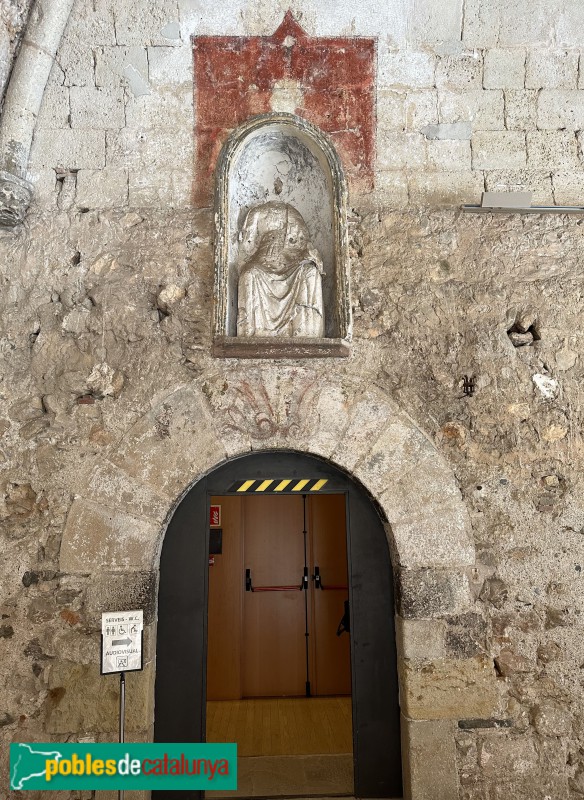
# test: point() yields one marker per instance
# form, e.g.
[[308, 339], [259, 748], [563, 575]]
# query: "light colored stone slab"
[[406, 69], [568, 188], [396, 150], [432, 23], [448, 130], [152, 149], [171, 188], [97, 537], [449, 689], [483, 108], [95, 108], [441, 537], [463, 72], [504, 68], [521, 109], [429, 758], [141, 23], [569, 23], [528, 23], [420, 638], [122, 66], [446, 188], [553, 150], [390, 110], [449, 155], [421, 109], [498, 150], [105, 188], [525, 180], [55, 109], [552, 69], [68, 149], [170, 66], [161, 109], [560, 109], [482, 22]]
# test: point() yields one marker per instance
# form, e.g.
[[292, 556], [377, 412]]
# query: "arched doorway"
[[180, 691]]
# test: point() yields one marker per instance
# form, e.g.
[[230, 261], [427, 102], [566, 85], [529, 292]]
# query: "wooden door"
[[331, 653], [273, 648]]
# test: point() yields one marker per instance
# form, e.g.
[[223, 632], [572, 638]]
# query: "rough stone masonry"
[[111, 404]]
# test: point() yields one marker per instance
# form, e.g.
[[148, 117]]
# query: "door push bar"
[[318, 584], [249, 587]]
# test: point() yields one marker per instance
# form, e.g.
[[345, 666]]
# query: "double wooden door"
[[261, 605]]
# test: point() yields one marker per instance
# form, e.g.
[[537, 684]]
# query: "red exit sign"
[[215, 516]]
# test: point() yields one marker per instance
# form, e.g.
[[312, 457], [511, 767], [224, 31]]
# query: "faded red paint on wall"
[[235, 77]]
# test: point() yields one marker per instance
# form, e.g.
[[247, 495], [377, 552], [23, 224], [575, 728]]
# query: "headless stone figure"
[[280, 282]]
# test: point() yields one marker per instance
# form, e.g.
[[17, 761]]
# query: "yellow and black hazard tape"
[[279, 485]]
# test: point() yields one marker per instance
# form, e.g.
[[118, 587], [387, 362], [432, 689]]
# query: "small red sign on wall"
[[215, 516]]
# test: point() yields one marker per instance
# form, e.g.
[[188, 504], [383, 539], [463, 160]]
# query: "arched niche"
[[281, 160]]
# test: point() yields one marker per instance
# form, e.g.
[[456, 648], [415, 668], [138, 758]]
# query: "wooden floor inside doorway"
[[288, 747], [275, 726]]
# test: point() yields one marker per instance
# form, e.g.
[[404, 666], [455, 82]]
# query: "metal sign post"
[[122, 638]]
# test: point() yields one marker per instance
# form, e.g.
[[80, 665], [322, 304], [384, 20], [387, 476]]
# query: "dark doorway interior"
[[181, 679]]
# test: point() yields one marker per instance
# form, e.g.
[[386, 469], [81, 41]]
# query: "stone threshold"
[[274, 347]]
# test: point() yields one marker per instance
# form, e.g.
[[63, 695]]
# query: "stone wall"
[[107, 382]]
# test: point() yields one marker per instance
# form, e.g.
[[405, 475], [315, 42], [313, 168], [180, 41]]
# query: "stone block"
[[152, 149], [569, 23], [505, 755], [94, 108], [170, 66], [173, 443], [449, 689], [440, 537], [420, 638], [482, 22], [483, 108], [122, 66], [142, 23], [99, 538], [464, 72], [80, 699], [430, 23], [498, 150], [429, 758], [68, 149], [552, 150], [429, 593], [74, 66], [161, 110], [451, 130], [449, 155], [521, 109], [525, 180], [396, 150], [55, 110], [407, 70], [119, 591], [445, 188], [390, 111], [110, 486], [391, 190], [102, 188], [526, 24], [421, 109], [560, 109], [504, 69], [552, 69], [91, 22], [568, 188], [171, 187]]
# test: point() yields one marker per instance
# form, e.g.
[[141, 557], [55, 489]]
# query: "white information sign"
[[121, 641]]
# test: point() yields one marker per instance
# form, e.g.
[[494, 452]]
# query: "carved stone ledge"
[[278, 347], [15, 198]]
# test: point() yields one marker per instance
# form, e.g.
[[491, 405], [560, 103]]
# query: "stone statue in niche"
[[280, 279]]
